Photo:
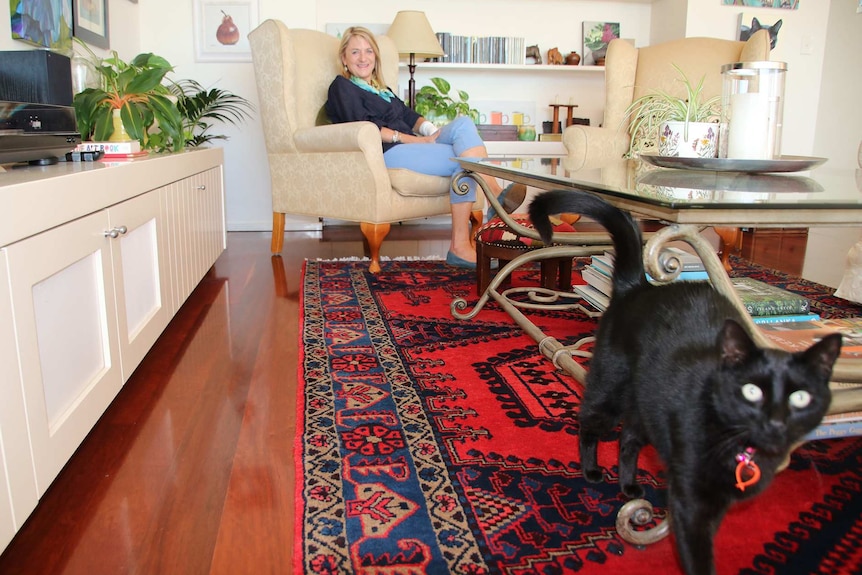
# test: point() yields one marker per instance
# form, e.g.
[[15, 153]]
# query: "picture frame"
[[782, 4], [30, 25], [597, 36], [90, 22], [221, 29]]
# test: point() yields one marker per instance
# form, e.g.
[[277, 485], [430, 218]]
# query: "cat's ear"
[[775, 27], [755, 25], [735, 344], [823, 354]]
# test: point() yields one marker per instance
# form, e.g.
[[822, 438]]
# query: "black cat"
[[674, 365], [745, 32]]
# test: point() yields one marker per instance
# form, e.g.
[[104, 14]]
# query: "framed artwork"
[[785, 4], [221, 29], [597, 36], [44, 23], [91, 22]]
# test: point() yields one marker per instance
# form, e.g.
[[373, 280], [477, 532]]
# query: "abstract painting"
[[785, 4], [46, 23]]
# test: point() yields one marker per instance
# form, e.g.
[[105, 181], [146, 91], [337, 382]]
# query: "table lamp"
[[413, 36]]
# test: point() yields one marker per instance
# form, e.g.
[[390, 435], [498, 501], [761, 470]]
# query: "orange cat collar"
[[746, 466]]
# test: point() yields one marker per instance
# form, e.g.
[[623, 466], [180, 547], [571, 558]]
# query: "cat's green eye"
[[752, 393], [800, 399]]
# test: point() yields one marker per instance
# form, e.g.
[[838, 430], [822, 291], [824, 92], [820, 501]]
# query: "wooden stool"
[[495, 240]]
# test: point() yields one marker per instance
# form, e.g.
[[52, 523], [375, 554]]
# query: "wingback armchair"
[[632, 72], [330, 170]]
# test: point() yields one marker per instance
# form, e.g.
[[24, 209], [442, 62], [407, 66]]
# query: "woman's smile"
[[359, 58]]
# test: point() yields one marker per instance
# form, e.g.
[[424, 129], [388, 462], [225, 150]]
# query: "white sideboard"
[[95, 260]]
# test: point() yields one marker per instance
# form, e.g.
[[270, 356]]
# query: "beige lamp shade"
[[412, 34]]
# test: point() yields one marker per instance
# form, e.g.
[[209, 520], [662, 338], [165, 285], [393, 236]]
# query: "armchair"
[[330, 170], [632, 72]]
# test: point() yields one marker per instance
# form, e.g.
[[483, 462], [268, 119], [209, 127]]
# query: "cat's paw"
[[593, 475], [632, 490]]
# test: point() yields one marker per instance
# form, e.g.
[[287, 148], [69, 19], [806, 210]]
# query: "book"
[[838, 425], [690, 262], [129, 156], [800, 335], [692, 275], [593, 296], [761, 298], [785, 318], [597, 279], [130, 147]]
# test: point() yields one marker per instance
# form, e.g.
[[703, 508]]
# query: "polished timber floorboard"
[[190, 470]]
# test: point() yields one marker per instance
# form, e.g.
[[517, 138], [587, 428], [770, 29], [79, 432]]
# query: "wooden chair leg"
[[483, 269], [277, 232], [476, 217], [731, 240], [374, 235]]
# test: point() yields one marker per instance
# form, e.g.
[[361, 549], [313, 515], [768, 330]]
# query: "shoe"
[[459, 262], [510, 198]]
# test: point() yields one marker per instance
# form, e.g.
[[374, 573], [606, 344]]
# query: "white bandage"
[[427, 128]]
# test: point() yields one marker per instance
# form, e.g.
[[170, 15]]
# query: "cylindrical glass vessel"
[[752, 110]]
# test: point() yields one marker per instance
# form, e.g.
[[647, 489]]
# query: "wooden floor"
[[190, 471]]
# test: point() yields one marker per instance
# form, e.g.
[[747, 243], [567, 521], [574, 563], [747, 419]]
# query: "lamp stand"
[[411, 86]]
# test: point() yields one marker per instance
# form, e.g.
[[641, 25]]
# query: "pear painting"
[[227, 32]]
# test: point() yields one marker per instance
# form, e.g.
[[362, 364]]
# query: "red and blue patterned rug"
[[433, 445]]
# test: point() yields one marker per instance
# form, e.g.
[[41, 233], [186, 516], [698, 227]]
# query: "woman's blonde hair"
[[377, 80]]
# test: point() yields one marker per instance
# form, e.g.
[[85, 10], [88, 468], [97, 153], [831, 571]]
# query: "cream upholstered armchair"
[[330, 170], [632, 72]]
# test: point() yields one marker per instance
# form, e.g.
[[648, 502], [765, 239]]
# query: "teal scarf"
[[385, 94]]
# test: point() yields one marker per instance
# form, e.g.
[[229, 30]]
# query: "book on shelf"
[[127, 156], [761, 298], [800, 335], [130, 147]]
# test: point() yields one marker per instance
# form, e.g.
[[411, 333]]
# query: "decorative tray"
[[782, 164]]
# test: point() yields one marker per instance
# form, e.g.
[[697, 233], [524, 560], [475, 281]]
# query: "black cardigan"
[[349, 103]]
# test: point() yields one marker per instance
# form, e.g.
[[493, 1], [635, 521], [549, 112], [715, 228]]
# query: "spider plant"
[[647, 113]]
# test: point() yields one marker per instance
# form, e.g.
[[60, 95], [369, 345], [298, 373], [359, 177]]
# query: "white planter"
[[701, 141]]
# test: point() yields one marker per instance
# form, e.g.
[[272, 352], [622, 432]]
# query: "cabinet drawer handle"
[[116, 232], [202, 187]]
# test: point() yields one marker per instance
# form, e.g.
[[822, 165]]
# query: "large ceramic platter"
[[782, 164]]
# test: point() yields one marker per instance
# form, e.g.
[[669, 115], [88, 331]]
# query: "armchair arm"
[[589, 145], [349, 137]]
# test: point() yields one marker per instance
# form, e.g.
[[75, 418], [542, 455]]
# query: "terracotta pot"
[[573, 59]]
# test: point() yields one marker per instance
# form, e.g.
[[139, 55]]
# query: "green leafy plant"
[[434, 102], [135, 89], [647, 113], [200, 108]]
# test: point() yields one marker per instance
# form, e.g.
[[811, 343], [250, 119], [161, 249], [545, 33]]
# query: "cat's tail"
[[627, 239]]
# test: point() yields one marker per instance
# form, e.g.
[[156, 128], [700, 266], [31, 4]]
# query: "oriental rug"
[[432, 445]]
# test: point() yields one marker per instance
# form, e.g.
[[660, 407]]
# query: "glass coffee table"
[[685, 201]]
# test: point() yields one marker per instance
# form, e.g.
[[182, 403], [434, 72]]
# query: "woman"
[[409, 140]]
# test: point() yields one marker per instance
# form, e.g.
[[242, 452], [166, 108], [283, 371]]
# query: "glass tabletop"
[[821, 195]]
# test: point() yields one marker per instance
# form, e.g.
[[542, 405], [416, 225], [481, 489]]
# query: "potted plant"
[[438, 107], [130, 98], [677, 126], [200, 107]]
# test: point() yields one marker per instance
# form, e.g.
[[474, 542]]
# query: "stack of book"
[[597, 290], [769, 304], [114, 150]]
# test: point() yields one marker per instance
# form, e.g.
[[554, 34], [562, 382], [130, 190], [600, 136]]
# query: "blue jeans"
[[436, 159]]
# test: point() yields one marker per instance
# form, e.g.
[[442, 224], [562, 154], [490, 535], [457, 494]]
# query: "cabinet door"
[[194, 210], [139, 255], [66, 327], [17, 482]]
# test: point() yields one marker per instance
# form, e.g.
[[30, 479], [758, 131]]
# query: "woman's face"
[[359, 58]]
